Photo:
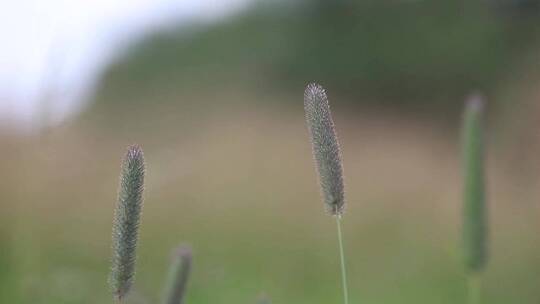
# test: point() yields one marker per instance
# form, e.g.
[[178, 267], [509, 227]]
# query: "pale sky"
[[62, 47]]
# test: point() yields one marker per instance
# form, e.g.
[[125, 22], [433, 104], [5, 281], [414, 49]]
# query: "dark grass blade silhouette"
[[327, 155], [126, 223]]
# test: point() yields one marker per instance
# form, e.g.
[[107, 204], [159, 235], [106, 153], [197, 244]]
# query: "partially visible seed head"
[[474, 197], [264, 299], [126, 222], [325, 148], [178, 275]]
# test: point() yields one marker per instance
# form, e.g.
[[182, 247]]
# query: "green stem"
[[474, 286], [342, 258]]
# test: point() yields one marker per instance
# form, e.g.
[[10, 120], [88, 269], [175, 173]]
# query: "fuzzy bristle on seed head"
[[325, 147], [178, 275], [126, 222], [474, 197]]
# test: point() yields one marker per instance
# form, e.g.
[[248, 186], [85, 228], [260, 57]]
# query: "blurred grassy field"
[[238, 184], [219, 114]]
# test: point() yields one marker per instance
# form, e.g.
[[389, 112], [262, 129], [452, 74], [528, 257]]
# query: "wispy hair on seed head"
[[474, 197], [126, 222], [325, 147]]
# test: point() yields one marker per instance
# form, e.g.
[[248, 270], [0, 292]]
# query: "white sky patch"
[[54, 51]]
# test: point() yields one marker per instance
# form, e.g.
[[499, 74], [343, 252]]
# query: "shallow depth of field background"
[[218, 110]]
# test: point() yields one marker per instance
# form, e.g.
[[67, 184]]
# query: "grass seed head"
[[126, 222], [474, 197], [326, 149], [178, 275]]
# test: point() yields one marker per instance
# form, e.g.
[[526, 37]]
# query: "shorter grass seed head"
[[474, 197], [178, 275], [326, 149], [264, 299], [126, 222]]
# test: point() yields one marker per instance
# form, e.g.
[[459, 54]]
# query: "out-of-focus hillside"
[[415, 59], [420, 55]]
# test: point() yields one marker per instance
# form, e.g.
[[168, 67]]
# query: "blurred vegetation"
[[243, 191], [413, 54], [218, 110]]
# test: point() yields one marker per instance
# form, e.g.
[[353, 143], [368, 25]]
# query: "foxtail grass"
[[178, 276], [327, 155], [474, 196], [126, 223]]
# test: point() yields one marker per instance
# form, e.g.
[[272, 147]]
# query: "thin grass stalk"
[[342, 260], [473, 288]]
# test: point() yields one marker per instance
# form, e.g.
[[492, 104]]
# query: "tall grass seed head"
[[325, 148]]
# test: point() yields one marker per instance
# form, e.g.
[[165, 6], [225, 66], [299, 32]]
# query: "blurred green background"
[[218, 111]]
